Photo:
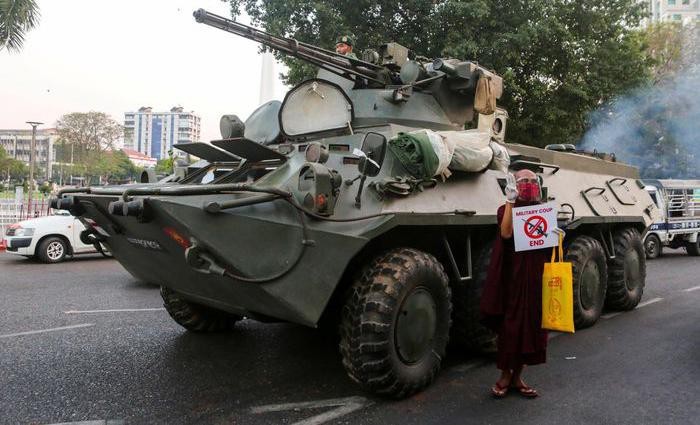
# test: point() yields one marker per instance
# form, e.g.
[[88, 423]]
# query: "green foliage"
[[88, 131], [673, 48], [86, 141], [655, 127], [560, 59], [164, 165], [45, 188], [17, 17], [11, 168]]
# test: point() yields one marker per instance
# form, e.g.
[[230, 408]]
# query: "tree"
[[84, 137], [560, 59], [11, 168], [165, 165], [126, 170], [17, 17], [674, 49], [656, 127]]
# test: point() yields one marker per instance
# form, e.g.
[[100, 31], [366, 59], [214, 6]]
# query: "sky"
[[116, 56]]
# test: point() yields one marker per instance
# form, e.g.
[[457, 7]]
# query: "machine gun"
[[344, 66], [394, 71]]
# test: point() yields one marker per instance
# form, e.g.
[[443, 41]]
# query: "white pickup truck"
[[679, 204], [50, 239]]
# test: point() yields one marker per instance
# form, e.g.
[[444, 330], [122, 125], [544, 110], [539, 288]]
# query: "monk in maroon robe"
[[511, 303]]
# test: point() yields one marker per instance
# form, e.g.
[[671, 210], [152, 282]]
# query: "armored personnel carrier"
[[309, 212]]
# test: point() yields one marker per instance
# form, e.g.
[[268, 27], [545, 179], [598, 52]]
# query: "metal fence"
[[13, 210]]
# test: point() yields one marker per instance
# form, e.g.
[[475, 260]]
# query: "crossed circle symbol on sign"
[[536, 227]]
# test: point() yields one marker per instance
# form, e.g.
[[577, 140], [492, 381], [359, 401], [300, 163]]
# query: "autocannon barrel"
[[347, 67]]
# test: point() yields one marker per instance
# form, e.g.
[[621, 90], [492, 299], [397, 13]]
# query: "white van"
[[679, 203], [50, 239]]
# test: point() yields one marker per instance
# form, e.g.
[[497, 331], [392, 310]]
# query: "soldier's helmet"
[[345, 39]]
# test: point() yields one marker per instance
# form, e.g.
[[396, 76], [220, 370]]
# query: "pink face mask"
[[529, 190]]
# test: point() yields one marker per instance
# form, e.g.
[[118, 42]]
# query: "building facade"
[[139, 159], [17, 145], [681, 11], [154, 133]]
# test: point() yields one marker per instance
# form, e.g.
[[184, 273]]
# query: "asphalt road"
[[139, 367]]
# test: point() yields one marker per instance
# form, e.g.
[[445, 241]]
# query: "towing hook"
[[90, 237], [201, 261]]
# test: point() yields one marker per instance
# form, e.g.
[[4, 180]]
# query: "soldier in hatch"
[[344, 45]]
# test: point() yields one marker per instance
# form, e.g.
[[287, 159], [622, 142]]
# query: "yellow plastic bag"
[[558, 294]]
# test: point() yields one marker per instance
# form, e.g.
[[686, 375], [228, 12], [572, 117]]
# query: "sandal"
[[525, 391], [499, 391]]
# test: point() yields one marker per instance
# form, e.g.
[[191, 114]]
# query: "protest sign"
[[533, 225]]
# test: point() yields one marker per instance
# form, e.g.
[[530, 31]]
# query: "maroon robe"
[[511, 303]]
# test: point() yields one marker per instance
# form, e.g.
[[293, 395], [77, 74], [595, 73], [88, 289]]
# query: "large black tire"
[[52, 250], [693, 248], [590, 273], [467, 331], [627, 272], [652, 246], [395, 323], [196, 317]]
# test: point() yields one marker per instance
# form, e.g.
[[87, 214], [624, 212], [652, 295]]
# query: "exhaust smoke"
[[656, 129]]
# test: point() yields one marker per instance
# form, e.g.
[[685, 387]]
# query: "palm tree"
[[16, 18]]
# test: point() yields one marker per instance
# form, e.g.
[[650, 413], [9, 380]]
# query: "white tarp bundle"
[[501, 157], [443, 148], [472, 152]]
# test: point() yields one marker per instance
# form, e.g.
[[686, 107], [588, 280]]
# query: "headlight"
[[318, 188], [21, 231]]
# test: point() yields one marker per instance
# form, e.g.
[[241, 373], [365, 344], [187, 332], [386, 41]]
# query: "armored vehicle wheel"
[[52, 250], [590, 273], [627, 271], [693, 248], [395, 323], [652, 246], [467, 331], [195, 317]]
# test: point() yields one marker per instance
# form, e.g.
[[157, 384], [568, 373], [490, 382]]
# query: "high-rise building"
[[18, 143], [681, 11], [154, 133]]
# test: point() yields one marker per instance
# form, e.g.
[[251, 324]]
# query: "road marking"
[[121, 310], [694, 288], [651, 301], [344, 406], [62, 328], [640, 305], [103, 422]]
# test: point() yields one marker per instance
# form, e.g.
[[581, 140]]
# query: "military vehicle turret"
[[306, 213]]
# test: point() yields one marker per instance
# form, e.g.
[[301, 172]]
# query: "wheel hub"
[[415, 326], [590, 285], [54, 250], [651, 247]]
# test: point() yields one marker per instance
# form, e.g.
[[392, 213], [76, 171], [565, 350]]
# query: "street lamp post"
[[32, 159]]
